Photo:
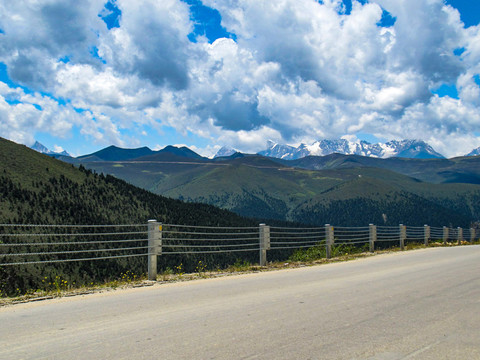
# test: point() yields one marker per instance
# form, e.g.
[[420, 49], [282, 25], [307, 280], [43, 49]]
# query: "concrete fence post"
[[445, 235], [403, 236], [426, 233], [472, 235], [459, 236], [154, 247], [264, 238], [372, 232], [329, 240]]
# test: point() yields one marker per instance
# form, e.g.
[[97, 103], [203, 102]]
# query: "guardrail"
[[47, 244]]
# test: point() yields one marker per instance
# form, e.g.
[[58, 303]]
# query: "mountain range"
[[346, 190], [415, 149]]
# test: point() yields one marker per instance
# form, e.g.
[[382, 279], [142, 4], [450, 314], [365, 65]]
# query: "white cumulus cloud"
[[296, 71]]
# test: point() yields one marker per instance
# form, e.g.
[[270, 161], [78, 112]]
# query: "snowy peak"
[[225, 151], [44, 150], [275, 150], [417, 149], [40, 148], [474, 152], [341, 146]]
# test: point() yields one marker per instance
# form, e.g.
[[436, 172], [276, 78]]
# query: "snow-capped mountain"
[[225, 151], [44, 150], [417, 149], [286, 152], [474, 152]]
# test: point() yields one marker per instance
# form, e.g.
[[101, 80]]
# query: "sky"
[[82, 75]]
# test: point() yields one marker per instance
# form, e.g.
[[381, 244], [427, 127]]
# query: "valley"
[[347, 190]]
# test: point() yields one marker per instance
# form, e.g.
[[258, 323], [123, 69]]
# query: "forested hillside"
[[37, 189], [337, 189]]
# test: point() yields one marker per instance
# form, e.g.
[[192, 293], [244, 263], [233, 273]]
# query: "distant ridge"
[[114, 153], [180, 151]]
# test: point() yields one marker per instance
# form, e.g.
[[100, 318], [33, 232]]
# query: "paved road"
[[421, 304]]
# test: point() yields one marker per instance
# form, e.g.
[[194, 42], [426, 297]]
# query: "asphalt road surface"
[[422, 304]]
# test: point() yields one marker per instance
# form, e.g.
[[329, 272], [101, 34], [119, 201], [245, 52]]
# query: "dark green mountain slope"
[[297, 195], [364, 200], [37, 189], [256, 186], [456, 170]]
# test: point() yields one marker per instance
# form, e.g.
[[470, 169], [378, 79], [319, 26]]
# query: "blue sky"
[[82, 76]]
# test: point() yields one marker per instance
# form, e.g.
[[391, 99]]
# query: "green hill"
[[38, 189], [261, 187], [456, 170]]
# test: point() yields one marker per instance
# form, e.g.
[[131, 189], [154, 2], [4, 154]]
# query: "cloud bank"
[[295, 71]]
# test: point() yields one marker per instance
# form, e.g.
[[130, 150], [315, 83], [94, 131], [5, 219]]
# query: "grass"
[[58, 287], [318, 251]]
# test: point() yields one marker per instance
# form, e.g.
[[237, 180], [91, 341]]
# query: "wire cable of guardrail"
[[196, 239], [296, 232], [37, 236], [351, 228], [350, 241], [71, 243], [415, 229], [210, 227], [293, 243], [388, 231], [210, 246], [351, 236], [75, 251], [72, 260], [290, 247], [415, 232], [318, 228], [414, 236], [208, 252], [207, 233], [71, 226], [78, 234], [294, 238], [388, 235]]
